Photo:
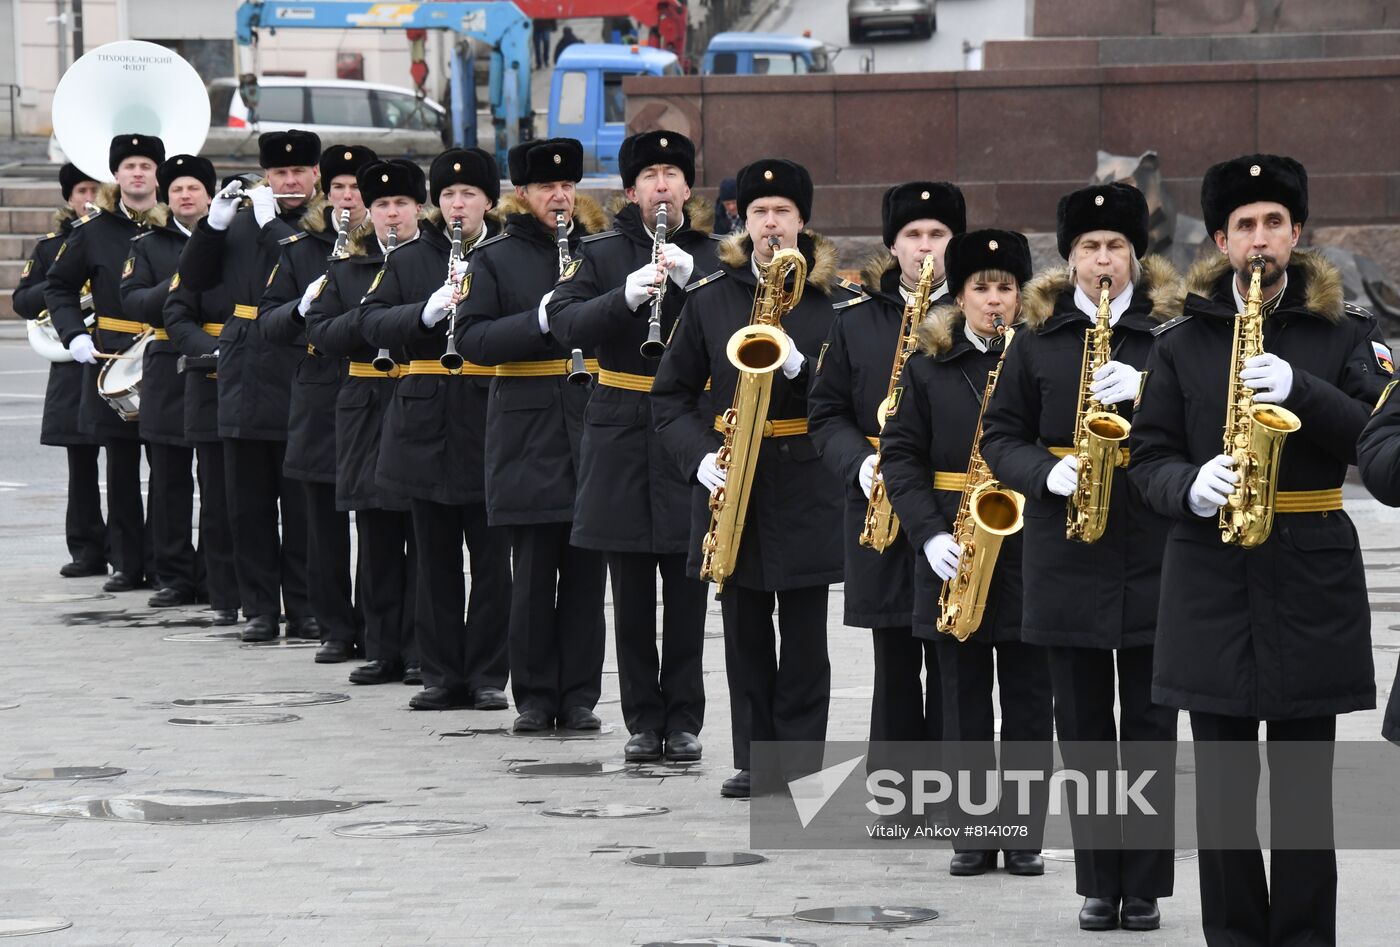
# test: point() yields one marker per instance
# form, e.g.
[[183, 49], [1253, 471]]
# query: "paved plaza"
[[92, 678]]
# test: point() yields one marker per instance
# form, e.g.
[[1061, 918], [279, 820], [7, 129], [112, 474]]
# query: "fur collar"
[[362, 239], [1160, 282], [63, 216], [699, 213], [941, 325], [587, 211], [872, 272], [736, 249], [316, 215], [108, 195], [1322, 282]]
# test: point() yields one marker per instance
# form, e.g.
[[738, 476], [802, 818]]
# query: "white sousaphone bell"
[[121, 88]]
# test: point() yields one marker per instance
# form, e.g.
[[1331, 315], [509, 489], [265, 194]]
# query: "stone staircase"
[[26, 212]]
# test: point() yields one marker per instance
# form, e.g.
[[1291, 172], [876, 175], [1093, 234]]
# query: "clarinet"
[[450, 359], [653, 348], [342, 239], [383, 361], [578, 371]]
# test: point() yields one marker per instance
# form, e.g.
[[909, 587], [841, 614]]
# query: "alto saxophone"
[[881, 525], [1254, 433], [988, 512], [757, 351], [1098, 434]]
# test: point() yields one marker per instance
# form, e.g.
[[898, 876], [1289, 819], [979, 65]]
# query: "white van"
[[325, 105]]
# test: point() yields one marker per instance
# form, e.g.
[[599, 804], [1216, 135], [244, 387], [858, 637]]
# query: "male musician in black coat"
[[924, 456], [1278, 632], [311, 455], [633, 504], [238, 250], [1378, 459], [534, 424], [186, 184], [95, 253], [432, 451], [1093, 605], [83, 526], [791, 546], [848, 392], [393, 193]]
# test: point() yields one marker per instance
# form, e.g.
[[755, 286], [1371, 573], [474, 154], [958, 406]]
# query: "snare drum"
[[119, 381]]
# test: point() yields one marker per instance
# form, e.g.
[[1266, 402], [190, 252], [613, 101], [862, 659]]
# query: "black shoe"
[[643, 747], [333, 652], [170, 598], [440, 698], [79, 570], [121, 582], [376, 672], [531, 721], [489, 698], [304, 628], [1025, 863], [736, 786], [225, 616], [1140, 914], [972, 863], [682, 747], [1098, 914], [579, 718], [413, 675], [260, 628]]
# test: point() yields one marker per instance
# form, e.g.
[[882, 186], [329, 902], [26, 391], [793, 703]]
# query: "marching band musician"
[[1376, 457], [1090, 603], [534, 423], [852, 380], [185, 185], [394, 193], [432, 451], [1278, 631], [311, 449], [791, 551], [924, 453], [96, 255], [83, 526], [632, 503], [238, 250]]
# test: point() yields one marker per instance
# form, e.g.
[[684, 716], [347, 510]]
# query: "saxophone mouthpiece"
[[773, 243], [1257, 262], [1105, 282]]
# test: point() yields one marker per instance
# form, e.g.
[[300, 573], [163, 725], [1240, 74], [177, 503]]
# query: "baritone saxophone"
[[757, 351], [1254, 433]]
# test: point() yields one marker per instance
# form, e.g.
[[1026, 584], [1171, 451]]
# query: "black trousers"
[[83, 525], [172, 516], [330, 590], [456, 657], [785, 681], [215, 535], [1083, 683], [557, 630], [1023, 673], [126, 525], [271, 567], [388, 584], [905, 705], [1297, 904], [665, 695]]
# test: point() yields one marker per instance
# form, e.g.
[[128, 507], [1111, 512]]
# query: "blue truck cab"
[[773, 54], [586, 100]]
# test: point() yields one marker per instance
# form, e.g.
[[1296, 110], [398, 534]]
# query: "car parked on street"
[[916, 16]]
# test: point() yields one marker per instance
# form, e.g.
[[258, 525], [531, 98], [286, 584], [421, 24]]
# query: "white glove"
[[1270, 377], [310, 294], [679, 264], [1064, 476], [866, 476], [1115, 382], [264, 205], [224, 206], [641, 284], [459, 270], [942, 554], [439, 305], [709, 474], [793, 366], [544, 316], [1214, 483], [82, 349]]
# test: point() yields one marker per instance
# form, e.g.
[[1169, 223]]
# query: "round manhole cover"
[[22, 926], [407, 828], [232, 720], [871, 914], [615, 810], [696, 859], [264, 699], [565, 769], [67, 772], [202, 636]]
